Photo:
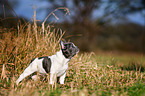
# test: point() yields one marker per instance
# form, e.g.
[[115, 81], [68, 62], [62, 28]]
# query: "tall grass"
[[88, 74]]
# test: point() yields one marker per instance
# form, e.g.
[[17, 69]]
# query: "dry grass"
[[83, 78]]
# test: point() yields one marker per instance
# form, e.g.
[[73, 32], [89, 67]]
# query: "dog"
[[55, 65]]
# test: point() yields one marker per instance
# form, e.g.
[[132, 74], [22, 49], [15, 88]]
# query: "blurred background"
[[93, 25]]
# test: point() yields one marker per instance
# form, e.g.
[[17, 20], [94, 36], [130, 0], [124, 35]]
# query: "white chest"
[[62, 70], [58, 68], [59, 64]]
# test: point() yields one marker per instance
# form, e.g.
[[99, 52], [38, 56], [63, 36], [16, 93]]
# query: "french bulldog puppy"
[[55, 65]]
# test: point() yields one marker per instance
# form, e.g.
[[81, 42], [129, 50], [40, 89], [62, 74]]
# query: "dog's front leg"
[[62, 78], [52, 78]]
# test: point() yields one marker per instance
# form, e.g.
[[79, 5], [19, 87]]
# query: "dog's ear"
[[62, 44]]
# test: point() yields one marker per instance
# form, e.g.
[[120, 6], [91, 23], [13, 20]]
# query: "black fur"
[[46, 63], [42, 57], [32, 60]]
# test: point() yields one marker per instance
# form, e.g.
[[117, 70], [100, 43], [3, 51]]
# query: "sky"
[[26, 10]]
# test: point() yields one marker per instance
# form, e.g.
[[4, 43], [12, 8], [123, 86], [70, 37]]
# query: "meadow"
[[89, 74]]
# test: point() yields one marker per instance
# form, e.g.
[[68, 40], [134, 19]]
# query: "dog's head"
[[68, 49]]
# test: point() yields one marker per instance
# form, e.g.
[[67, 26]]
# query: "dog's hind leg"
[[29, 70]]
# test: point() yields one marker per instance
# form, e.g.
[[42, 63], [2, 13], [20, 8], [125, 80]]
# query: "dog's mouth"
[[77, 50]]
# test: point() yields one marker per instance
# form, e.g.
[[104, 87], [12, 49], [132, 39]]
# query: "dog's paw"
[[17, 82]]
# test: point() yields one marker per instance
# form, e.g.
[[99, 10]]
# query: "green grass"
[[88, 73]]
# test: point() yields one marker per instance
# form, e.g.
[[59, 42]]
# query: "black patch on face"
[[69, 50], [46, 63]]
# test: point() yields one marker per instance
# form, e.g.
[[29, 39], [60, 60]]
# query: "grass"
[[88, 73]]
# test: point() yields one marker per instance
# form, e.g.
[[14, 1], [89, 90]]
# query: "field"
[[89, 74]]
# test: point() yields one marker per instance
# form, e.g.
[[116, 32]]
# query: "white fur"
[[59, 65]]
